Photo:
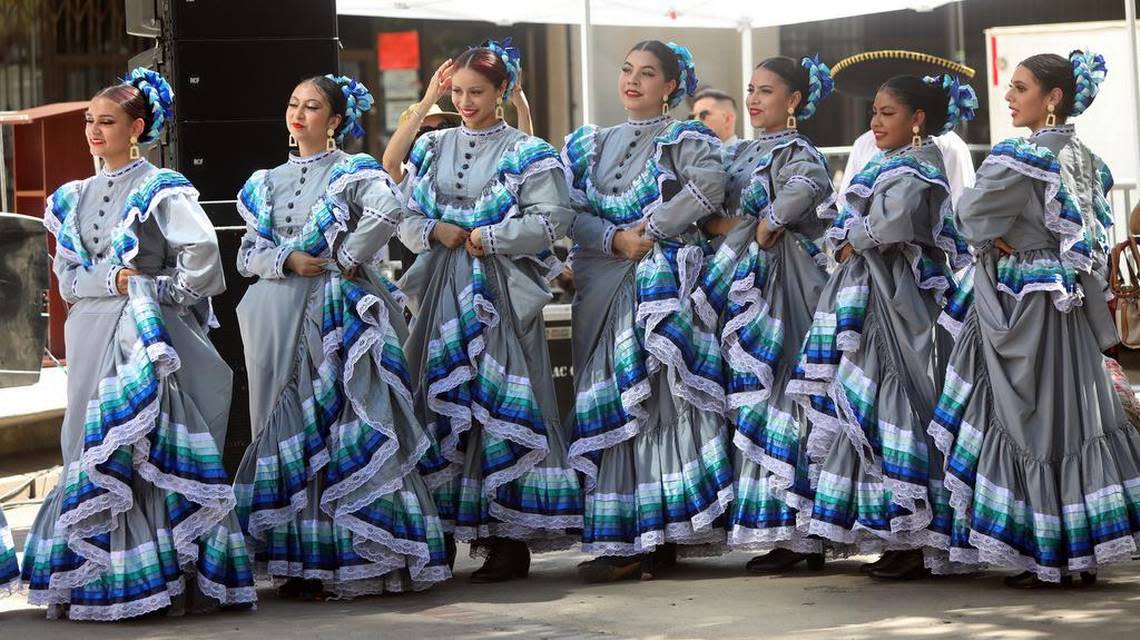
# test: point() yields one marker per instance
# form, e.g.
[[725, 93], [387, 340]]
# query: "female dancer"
[[1042, 462], [648, 424], [143, 510], [480, 203], [328, 492], [762, 285], [871, 363]]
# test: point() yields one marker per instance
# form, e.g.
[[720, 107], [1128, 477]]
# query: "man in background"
[[717, 110]]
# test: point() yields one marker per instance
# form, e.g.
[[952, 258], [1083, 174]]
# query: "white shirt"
[[955, 155]]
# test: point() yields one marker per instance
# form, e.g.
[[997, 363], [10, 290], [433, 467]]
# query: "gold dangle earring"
[[916, 141], [292, 141], [1051, 119], [135, 154], [664, 105], [499, 109], [791, 123], [330, 144]]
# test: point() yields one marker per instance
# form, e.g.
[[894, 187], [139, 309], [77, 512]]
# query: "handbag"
[[1124, 280]]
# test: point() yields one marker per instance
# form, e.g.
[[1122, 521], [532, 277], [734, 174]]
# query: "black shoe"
[[508, 559], [1029, 580], [885, 560], [908, 565], [611, 568], [781, 560], [449, 549], [662, 559], [291, 589]]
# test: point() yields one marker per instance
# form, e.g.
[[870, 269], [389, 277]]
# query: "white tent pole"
[[745, 29], [1133, 80], [586, 44]]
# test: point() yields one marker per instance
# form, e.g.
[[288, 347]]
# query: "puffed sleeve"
[[987, 211], [892, 214], [543, 200], [376, 210], [190, 238], [801, 184], [77, 281], [258, 256], [698, 193], [590, 231], [415, 228]]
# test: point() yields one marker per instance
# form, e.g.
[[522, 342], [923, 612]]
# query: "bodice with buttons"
[[295, 187], [624, 151], [100, 210], [467, 160]]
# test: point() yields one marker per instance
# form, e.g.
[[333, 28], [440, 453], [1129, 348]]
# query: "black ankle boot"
[[781, 560], [611, 568], [449, 549], [507, 559], [883, 562], [1029, 580], [907, 565]]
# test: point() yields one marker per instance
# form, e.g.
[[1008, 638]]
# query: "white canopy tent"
[[742, 15]]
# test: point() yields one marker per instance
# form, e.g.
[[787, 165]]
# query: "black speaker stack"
[[232, 66]]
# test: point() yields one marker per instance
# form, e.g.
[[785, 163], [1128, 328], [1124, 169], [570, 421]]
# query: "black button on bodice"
[[471, 144], [95, 241], [618, 176], [467, 156], [290, 205], [458, 185], [460, 174], [636, 133], [99, 256], [465, 166], [628, 156], [110, 183], [288, 219], [106, 198], [633, 144], [297, 192], [615, 189], [96, 227], [304, 169], [302, 181], [101, 213]]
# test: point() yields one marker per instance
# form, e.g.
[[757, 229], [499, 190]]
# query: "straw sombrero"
[[861, 74], [434, 110]]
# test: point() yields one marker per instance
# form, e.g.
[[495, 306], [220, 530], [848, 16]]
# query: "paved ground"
[[707, 598]]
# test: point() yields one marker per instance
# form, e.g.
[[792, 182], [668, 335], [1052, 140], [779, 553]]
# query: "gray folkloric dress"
[[872, 362], [9, 570], [328, 489], [1042, 462], [763, 301], [649, 427], [478, 347], [143, 501]]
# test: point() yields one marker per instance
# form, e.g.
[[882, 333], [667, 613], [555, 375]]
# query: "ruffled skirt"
[[867, 376], [485, 389], [328, 489], [1042, 461], [9, 570], [763, 301], [144, 510], [649, 430]]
